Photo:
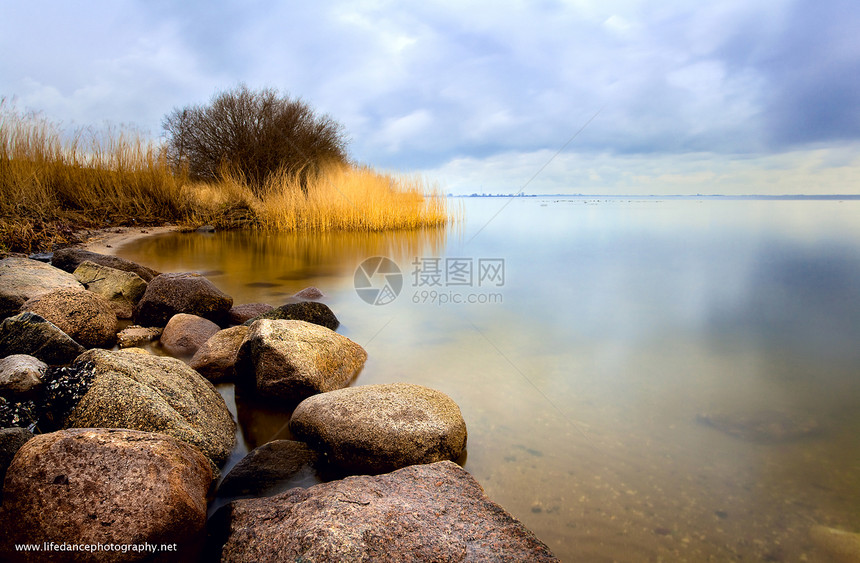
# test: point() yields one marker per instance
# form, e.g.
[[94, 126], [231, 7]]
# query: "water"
[[650, 380]]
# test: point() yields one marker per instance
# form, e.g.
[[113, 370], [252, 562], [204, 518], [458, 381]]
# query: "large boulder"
[[22, 279], [378, 428], [265, 467], [11, 440], [122, 289], [184, 334], [69, 259], [21, 376], [308, 311], [154, 394], [240, 314], [291, 360], [169, 294], [83, 315], [215, 359], [106, 487], [434, 512], [28, 333]]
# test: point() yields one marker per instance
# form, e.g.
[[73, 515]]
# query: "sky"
[[582, 96]]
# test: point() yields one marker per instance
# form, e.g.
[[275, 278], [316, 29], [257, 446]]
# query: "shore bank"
[[107, 241]]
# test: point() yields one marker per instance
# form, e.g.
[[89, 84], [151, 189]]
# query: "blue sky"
[[691, 97]]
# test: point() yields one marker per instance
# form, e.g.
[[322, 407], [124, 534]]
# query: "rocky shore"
[[106, 444]]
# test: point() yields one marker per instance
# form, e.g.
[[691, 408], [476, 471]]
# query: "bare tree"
[[254, 133]]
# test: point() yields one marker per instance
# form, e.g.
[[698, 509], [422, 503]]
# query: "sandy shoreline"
[[107, 241]]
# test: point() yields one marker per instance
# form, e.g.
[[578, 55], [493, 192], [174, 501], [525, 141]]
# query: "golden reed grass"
[[53, 183]]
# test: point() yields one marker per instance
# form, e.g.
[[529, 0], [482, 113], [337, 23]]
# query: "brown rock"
[[264, 467], [309, 311], [69, 259], [434, 512], [310, 293], [169, 294], [154, 394], [85, 316], [122, 289], [241, 313], [22, 279], [291, 360], [378, 428], [134, 336], [841, 546], [215, 359], [100, 486], [185, 333]]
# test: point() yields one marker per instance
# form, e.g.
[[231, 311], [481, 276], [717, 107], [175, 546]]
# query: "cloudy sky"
[[668, 96]]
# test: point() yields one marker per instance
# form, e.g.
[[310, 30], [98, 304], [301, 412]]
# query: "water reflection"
[[623, 326]]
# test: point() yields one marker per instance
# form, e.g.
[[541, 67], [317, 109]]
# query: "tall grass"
[[53, 183]]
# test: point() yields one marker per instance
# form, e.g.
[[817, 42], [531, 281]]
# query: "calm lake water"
[[642, 380]]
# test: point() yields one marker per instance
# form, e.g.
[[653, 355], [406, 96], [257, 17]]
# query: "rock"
[[28, 333], [21, 376], [185, 333], [206, 229], [135, 335], [239, 314], [20, 414], [11, 440], [764, 426], [22, 279], [215, 359], [434, 512], [309, 311], [58, 490], [42, 256], [378, 428], [841, 546], [310, 293], [64, 388], [169, 294], [291, 360], [69, 259], [157, 394], [266, 466], [85, 316], [122, 289]]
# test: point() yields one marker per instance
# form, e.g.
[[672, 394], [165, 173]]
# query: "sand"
[[107, 241]]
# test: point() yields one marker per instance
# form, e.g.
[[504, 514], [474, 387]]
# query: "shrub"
[[252, 134]]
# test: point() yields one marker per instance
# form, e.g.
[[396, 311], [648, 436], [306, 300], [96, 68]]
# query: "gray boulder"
[[85, 316], [28, 333], [308, 311], [22, 279], [21, 376], [215, 359], [291, 360], [378, 428], [69, 259], [264, 467], [184, 334], [122, 289], [434, 512], [240, 314], [154, 394], [169, 294], [106, 486]]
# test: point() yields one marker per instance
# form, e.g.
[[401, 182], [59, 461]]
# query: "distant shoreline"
[[824, 197]]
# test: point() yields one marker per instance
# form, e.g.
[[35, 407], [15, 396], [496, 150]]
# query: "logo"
[[378, 280]]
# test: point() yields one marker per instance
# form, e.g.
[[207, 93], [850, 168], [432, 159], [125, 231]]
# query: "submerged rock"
[[57, 490], [308, 311], [215, 359], [69, 259], [157, 394], [85, 316], [266, 466], [135, 335], [310, 293], [378, 428], [122, 289], [764, 426], [291, 360], [28, 333], [435, 512], [169, 294], [22, 279], [185, 334]]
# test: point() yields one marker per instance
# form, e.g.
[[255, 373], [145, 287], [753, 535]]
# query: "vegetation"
[[54, 183]]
